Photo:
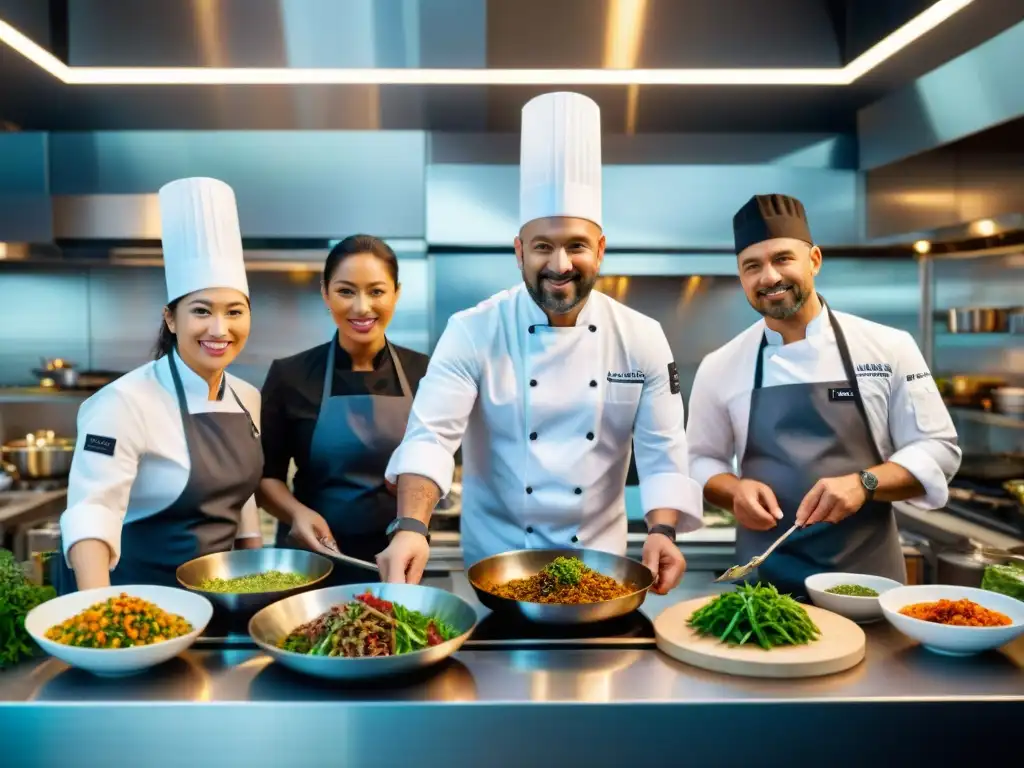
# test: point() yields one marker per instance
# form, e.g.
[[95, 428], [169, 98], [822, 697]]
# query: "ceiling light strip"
[[835, 76]]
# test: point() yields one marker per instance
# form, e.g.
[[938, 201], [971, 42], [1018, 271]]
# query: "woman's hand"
[[311, 531]]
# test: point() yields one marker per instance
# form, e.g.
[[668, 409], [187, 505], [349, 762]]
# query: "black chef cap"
[[764, 217]]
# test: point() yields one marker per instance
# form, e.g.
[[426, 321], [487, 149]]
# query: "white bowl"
[[112, 662], [859, 609], [950, 640]]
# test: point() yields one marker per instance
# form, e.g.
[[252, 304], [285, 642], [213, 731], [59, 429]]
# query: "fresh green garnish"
[[18, 596], [1005, 579], [758, 614], [268, 581], [566, 570], [852, 590]]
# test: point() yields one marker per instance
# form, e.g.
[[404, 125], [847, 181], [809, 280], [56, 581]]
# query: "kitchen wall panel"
[[42, 315], [108, 318], [296, 184]]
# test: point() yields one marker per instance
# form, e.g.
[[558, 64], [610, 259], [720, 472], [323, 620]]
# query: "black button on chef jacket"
[[293, 388]]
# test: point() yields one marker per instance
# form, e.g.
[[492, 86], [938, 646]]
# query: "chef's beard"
[[562, 300], [792, 302]]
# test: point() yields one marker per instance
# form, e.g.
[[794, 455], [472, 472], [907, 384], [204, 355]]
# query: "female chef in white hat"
[[168, 456]]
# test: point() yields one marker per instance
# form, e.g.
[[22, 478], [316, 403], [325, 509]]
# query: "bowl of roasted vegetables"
[[241, 581], [119, 630], [853, 595], [361, 631]]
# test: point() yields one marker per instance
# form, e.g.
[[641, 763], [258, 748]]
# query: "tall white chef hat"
[[560, 158], [201, 237]]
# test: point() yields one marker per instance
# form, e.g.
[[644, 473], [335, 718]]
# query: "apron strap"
[[851, 374], [403, 381], [179, 390], [328, 375]]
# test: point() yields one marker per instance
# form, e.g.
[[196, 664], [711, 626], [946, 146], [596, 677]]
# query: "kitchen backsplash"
[[107, 317]]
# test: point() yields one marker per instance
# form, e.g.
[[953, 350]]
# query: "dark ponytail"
[[165, 340], [354, 244]]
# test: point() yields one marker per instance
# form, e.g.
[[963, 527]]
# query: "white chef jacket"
[[150, 465], [546, 419], [906, 416]]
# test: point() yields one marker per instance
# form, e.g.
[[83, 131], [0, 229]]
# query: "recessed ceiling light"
[[985, 227], [922, 247], [920, 25]]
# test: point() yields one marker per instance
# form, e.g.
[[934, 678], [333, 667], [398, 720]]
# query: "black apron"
[[353, 440], [225, 467], [798, 434]]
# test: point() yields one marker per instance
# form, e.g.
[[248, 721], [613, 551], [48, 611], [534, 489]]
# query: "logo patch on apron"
[[840, 395], [673, 378], [100, 444]]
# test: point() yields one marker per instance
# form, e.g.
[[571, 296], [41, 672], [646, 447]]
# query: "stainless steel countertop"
[[895, 669], [496, 708]]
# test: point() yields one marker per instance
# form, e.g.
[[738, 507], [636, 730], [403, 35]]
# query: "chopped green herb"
[[566, 570], [852, 590], [268, 581]]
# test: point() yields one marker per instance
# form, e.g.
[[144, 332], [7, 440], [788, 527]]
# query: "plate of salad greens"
[[364, 630]]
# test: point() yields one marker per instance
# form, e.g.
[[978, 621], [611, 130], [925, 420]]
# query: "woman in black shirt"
[[339, 410]]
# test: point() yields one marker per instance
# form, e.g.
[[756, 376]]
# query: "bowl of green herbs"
[[853, 595], [243, 581]]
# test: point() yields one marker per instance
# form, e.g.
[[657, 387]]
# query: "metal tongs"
[[334, 553], [739, 571]]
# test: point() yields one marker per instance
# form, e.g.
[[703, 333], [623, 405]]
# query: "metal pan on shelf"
[[529, 562]]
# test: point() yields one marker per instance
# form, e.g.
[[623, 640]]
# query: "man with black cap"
[[814, 417]]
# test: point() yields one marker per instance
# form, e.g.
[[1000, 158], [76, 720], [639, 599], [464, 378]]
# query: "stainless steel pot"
[[1015, 320], [39, 455], [965, 569], [978, 320]]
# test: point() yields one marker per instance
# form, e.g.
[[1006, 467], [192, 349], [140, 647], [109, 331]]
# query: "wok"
[[242, 562], [994, 467], [275, 622], [529, 562]]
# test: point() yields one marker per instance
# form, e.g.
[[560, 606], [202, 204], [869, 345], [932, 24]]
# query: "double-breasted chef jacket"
[[905, 413], [131, 459], [546, 416]]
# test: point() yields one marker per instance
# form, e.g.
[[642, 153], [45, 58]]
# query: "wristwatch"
[[407, 524], [870, 483], [667, 530]]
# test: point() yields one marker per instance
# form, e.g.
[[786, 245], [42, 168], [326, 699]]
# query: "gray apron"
[[225, 467], [798, 434], [353, 439]]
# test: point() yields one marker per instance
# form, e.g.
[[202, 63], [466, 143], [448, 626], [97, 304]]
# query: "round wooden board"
[[840, 646]]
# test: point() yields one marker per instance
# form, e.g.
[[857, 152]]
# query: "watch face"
[[392, 526], [869, 480]]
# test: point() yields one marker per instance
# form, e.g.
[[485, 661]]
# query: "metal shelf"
[[978, 339], [985, 417], [41, 395]]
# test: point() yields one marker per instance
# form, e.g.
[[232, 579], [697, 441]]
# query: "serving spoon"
[[739, 571]]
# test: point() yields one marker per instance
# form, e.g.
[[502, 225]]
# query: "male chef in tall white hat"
[[547, 386], [168, 456], [815, 417]]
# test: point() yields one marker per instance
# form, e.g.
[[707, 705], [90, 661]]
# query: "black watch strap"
[[407, 524], [668, 530]]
